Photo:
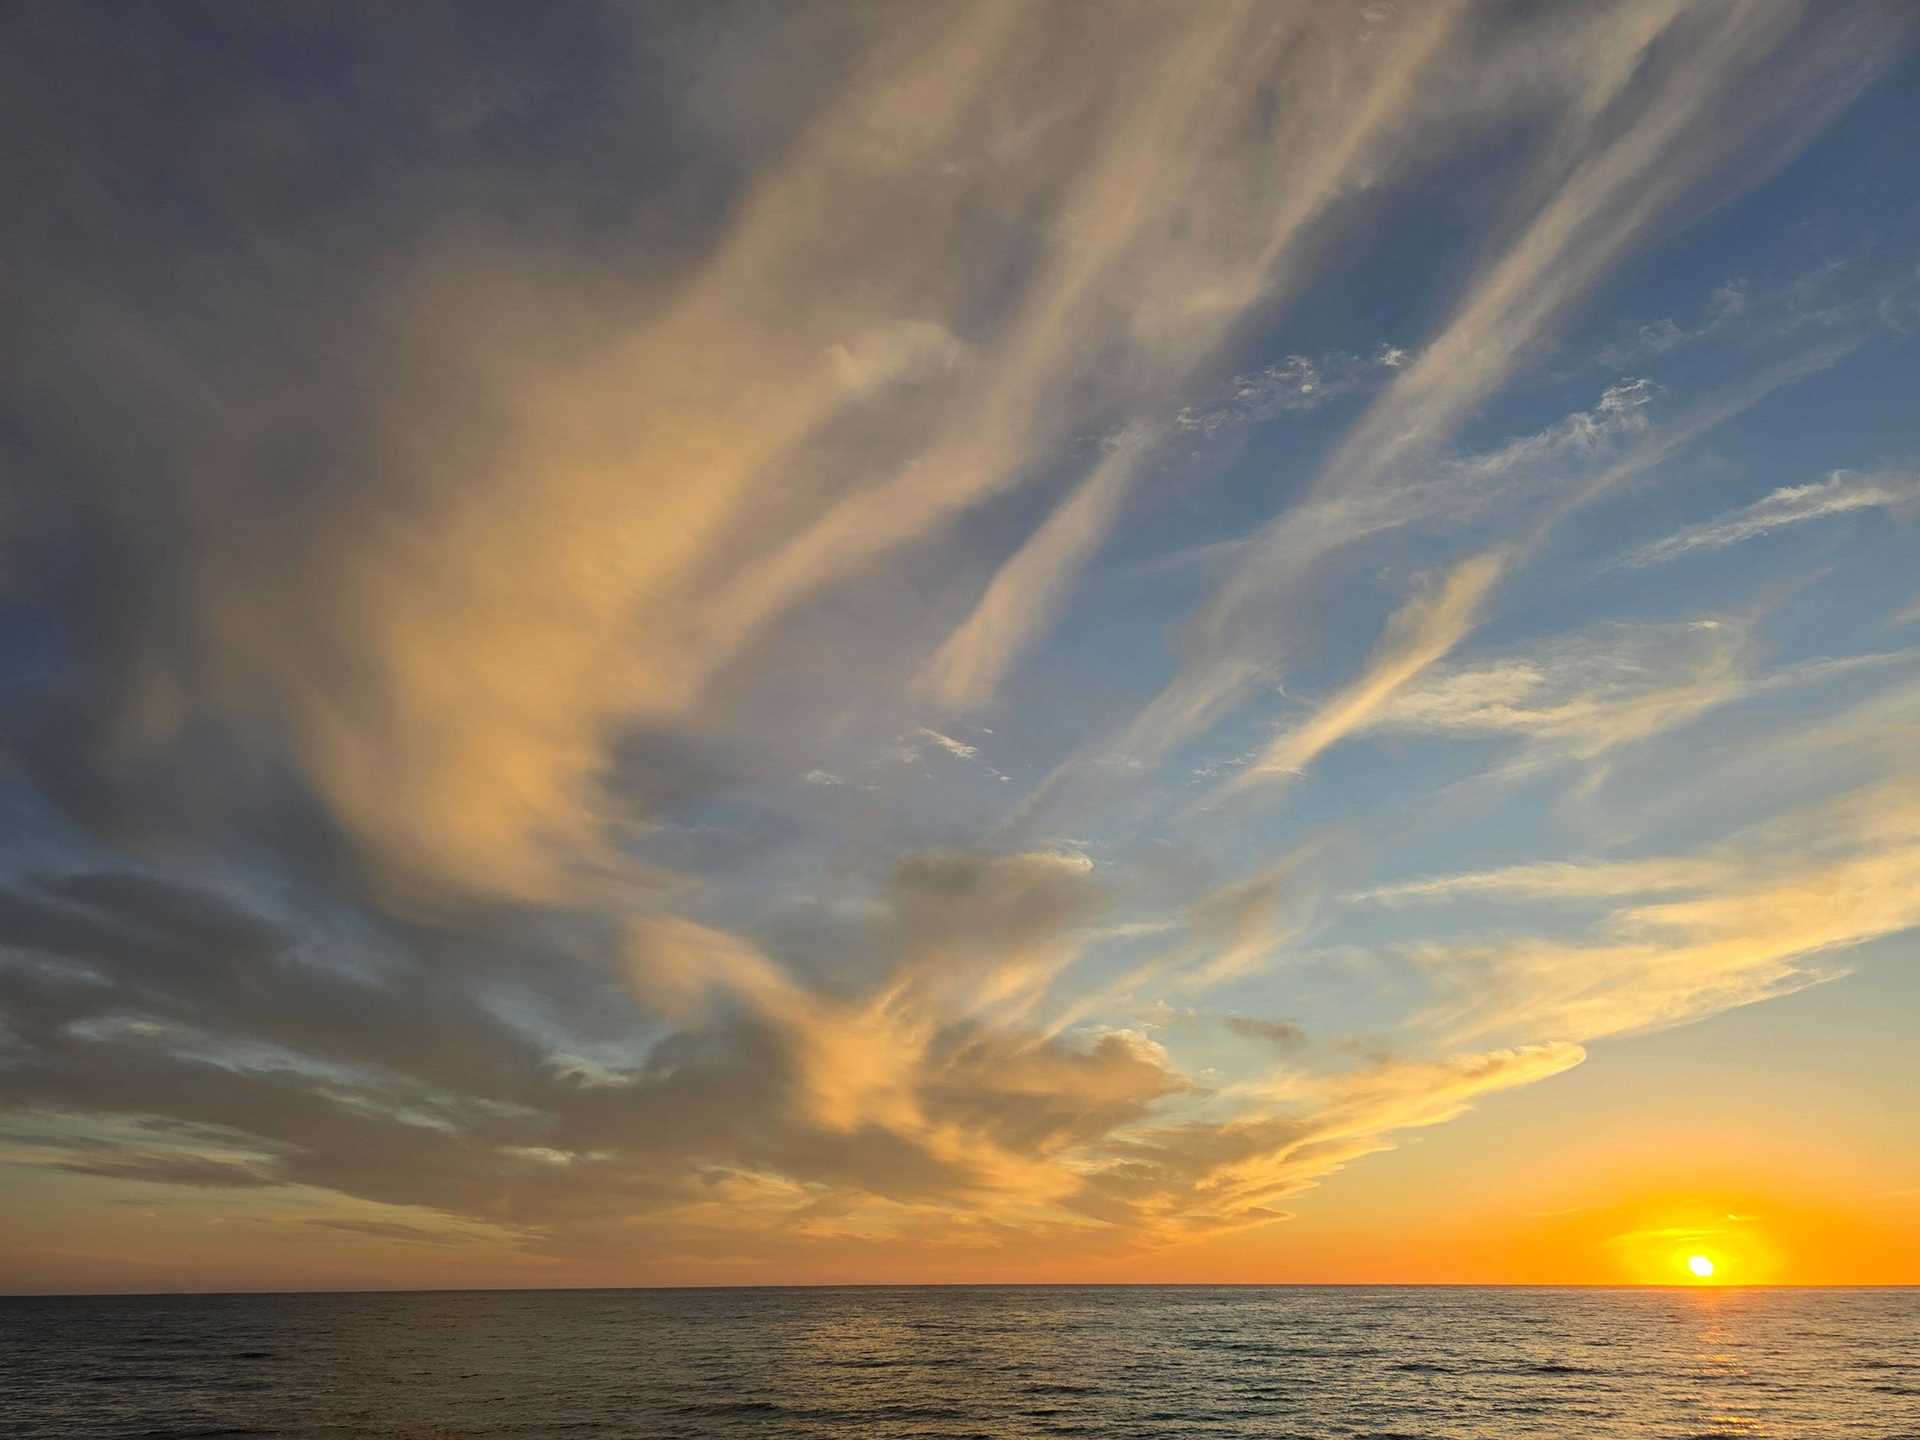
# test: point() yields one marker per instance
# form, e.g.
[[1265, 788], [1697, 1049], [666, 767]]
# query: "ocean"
[[1159, 1363]]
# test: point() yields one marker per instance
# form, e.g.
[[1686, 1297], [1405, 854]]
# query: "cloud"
[[910, 1106], [959, 749], [1761, 916], [1725, 307], [1620, 414], [1840, 493], [1296, 385], [1025, 592], [387, 1230], [1539, 480], [613, 491], [912, 747], [1584, 694], [1283, 1034], [1209, 1178], [1614, 438], [1604, 446], [1589, 693], [1027, 589], [1560, 880], [1615, 169], [898, 1089], [577, 504], [929, 1064], [1419, 633], [192, 1171], [1215, 267], [1227, 933], [1239, 925]]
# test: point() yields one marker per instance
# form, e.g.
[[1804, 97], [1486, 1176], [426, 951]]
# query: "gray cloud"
[[387, 1230], [192, 1171], [1282, 1034]]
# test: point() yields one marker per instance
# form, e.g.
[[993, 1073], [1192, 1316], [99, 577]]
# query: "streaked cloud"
[[1724, 308], [1840, 493], [1585, 694], [1763, 916], [1421, 632], [1560, 880], [1028, 588]]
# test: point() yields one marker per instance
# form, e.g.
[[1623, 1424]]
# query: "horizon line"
[[953, 1285]]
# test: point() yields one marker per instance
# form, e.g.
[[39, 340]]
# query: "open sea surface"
[[1159, 1363]]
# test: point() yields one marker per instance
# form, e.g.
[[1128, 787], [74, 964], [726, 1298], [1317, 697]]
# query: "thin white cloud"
[[1725, 306], [1024, 595], [1583, 695], [1547, 881], [1841, 493], [1767, 913], [959, 749], [1028, 589], [1420, 632], [1454, 489], [1297, 385], [1610, 180]]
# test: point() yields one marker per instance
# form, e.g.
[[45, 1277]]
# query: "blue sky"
[[843, 642]]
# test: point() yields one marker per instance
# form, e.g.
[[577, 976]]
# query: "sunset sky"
[[777, 642]]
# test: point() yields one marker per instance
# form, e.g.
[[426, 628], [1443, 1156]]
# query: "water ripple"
[[1107, 1363]]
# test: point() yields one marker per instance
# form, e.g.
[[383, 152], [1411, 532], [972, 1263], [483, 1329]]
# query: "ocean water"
[[1160, 1363]]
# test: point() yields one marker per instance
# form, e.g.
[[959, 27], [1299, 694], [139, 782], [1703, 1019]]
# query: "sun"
[[1701, 1267]]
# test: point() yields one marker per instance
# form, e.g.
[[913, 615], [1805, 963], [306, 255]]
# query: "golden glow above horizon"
[[1703, 1240]]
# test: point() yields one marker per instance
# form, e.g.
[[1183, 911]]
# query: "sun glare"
[[1701, 1267]]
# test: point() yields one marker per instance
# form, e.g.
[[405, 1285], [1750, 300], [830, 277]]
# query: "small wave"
[[732, 1407]]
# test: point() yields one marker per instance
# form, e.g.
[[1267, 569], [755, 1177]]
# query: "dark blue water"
[[999, 1362]]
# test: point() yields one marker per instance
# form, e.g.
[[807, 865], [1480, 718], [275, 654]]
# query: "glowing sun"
[[1701, 1266]]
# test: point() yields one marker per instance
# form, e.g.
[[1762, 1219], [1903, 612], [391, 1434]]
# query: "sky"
[[839, 642]]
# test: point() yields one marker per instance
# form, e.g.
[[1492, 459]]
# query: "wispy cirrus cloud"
[[1299, 384], [1419, 633], [1767, 913], [969, 666], [1612, 176], [1724, 308], [1237, 1172], [1841, 493], [1559, 880], [1585, 694]]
